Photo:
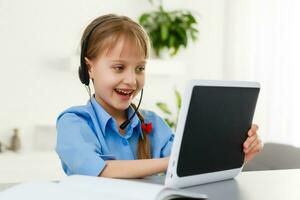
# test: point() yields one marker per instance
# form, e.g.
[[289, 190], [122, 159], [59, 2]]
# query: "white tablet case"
[[172, 179]]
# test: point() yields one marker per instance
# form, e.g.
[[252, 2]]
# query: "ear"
[[90, 67]]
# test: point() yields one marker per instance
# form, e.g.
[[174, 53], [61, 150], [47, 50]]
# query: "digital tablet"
[[213, 123]]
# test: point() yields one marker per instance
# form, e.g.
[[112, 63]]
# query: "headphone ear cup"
[[84, 75]]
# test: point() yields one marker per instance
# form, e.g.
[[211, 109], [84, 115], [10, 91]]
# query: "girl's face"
[[118, 75]]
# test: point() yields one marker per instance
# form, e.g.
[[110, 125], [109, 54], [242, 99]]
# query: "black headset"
[[84, 73], [83, 69]]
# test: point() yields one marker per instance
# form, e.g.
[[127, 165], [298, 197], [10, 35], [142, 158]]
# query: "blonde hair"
[[108, 29], [105, 31]]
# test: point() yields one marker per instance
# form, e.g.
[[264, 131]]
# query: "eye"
[[140, 69], [118, 68]]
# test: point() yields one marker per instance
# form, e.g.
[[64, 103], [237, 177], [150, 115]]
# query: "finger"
[[250, 155], [253, 151], [254, 126], [250, 144], [254, 147], [252, 131], [250, 140]]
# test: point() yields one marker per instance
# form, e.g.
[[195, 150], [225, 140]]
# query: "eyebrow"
[[124, 61]]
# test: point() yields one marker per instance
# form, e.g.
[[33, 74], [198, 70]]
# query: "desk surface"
[[275, 185], [256, 185]]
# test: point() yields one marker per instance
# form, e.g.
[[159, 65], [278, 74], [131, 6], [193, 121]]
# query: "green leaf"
[[164, 31], [170, 123], [171, 41], [178, 99], [163, 107], [194, 33], [144, 18], [181, 32], [174, 50], [191, 18]]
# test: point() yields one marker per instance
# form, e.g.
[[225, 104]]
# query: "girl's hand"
[[253, 144]]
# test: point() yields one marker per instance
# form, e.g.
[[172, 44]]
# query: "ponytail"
[[144, 148]]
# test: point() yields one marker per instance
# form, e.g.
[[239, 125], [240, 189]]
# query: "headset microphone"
[[125, 124]]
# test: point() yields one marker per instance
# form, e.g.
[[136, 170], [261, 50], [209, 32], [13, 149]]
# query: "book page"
[[112, 188], [82, 188], [31, 190], [85, 187]]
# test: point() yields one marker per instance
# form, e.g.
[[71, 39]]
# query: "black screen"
[[216, 127]]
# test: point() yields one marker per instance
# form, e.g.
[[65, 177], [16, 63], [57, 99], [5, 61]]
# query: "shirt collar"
[[135, 121], [104, 117]]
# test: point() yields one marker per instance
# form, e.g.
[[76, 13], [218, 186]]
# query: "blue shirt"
[[87, 136]]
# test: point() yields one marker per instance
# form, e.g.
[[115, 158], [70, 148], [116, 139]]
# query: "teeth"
[[124, 92]]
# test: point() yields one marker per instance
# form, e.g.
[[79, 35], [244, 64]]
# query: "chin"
[[122, 107]]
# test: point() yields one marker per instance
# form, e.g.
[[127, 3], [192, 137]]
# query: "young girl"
[[90, 140]]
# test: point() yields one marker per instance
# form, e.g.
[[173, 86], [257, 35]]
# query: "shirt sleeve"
[[77, 146], [166, 150]]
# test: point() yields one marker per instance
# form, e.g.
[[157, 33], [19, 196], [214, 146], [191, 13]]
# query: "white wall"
[[262, 43], [38, 43]]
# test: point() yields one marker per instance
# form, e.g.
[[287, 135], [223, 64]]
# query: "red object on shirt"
[[147, 127]]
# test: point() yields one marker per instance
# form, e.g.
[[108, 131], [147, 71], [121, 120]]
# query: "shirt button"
[[125, 142]]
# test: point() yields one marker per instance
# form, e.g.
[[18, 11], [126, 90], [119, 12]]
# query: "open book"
[[84, 187]]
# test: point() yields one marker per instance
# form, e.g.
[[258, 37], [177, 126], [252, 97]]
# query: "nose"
[[130, 78]]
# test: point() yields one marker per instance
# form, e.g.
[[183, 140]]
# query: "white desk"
[[255, 185], [259, 185]]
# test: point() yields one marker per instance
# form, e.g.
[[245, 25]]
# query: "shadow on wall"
[[275, 156]]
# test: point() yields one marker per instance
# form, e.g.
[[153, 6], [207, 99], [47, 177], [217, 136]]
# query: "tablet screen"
[[216, 127]]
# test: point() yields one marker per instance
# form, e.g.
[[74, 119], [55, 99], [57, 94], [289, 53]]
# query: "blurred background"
[[249, 40]]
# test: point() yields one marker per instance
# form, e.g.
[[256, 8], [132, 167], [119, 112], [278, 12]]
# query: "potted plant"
[[170, 30]]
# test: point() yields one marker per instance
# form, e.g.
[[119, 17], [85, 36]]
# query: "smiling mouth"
[[124, 92]]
